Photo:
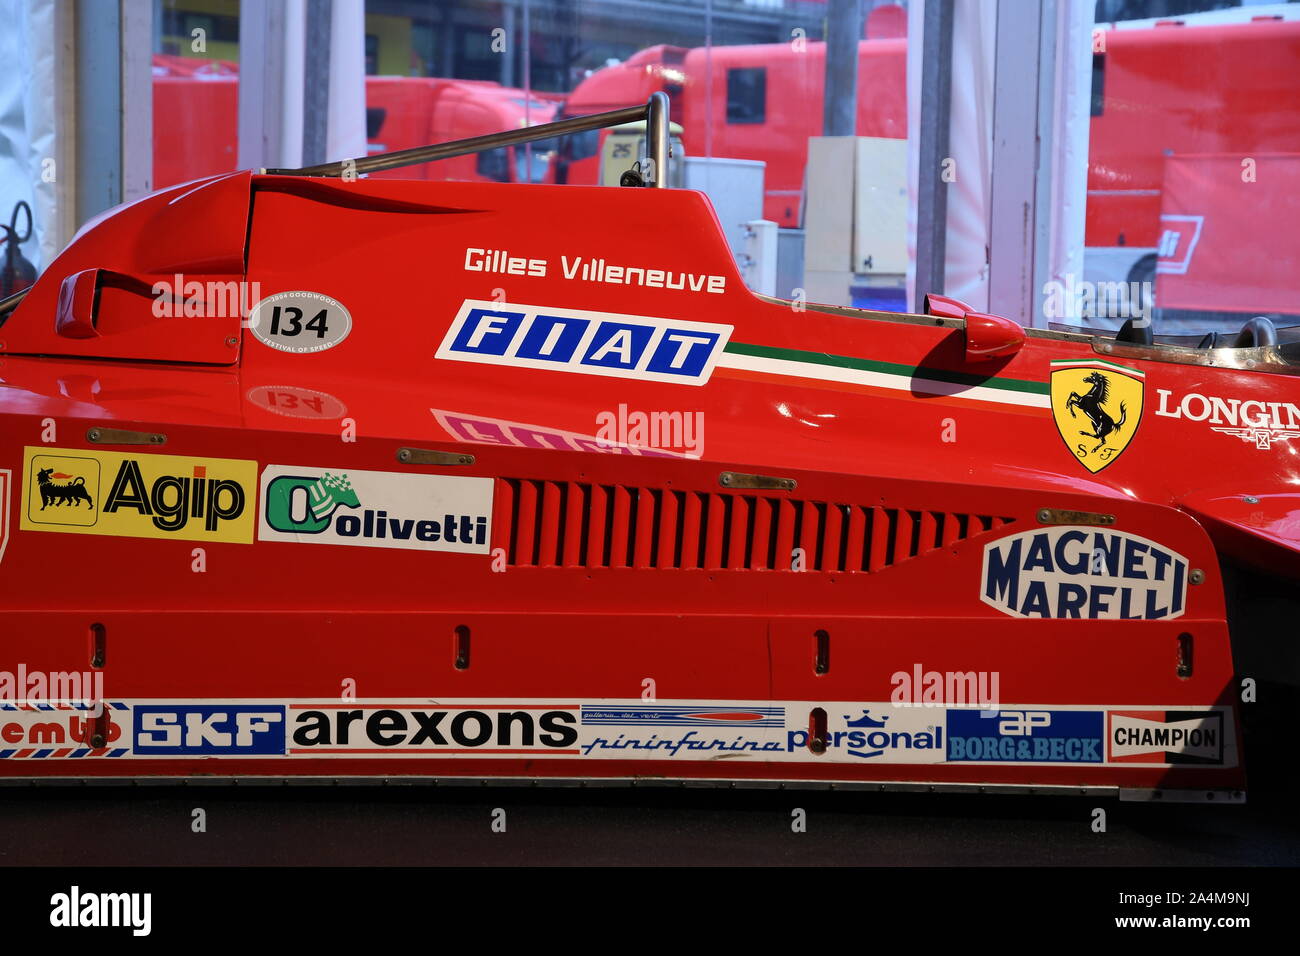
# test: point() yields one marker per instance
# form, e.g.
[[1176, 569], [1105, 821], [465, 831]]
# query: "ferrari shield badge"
[[1097, 407]]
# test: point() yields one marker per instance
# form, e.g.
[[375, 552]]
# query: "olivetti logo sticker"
[[376, 509], [138, 496], [589, 343]]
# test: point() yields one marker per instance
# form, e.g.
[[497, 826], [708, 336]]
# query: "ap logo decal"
[[1097, 407]]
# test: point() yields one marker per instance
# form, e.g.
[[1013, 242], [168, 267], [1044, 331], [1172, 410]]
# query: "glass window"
[[747, 95]]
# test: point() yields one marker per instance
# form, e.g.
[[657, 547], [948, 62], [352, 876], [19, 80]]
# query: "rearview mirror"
[[987, 336]]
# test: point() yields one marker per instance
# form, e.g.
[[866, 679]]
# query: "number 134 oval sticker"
[[300, 322]]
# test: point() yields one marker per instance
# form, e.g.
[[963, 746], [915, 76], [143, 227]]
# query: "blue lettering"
[[1070, 600], [552, 338], [1036, 601], [1003, 579], [1134, 559], [1040, 554], [487, 332], [617, 345], [1078, 566], [1096, 606]]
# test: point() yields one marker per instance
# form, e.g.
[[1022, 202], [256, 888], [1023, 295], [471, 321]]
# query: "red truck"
[[1156, 90], [196, 122]]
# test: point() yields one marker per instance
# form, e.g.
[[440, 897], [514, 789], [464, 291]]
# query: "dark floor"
[[423, 825]]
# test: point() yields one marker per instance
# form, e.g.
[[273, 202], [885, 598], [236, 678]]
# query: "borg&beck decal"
[[1083, 572], [591, 343], [766, 731], [376, 509], [81, 491]]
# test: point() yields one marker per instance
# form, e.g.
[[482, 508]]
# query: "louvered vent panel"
[[566, 524]]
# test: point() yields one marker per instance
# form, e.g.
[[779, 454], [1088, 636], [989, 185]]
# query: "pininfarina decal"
[[590, 343], [668, 731], [376, 509], [1077, 572]]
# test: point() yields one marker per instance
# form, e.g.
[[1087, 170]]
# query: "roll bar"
[[654, 112]]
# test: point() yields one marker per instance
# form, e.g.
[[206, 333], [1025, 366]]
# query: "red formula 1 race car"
[[305, 475]]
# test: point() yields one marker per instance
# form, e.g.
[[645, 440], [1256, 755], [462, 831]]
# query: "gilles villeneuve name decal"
[[1074, 572]]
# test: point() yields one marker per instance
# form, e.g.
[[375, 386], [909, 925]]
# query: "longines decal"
[[1262, 424]]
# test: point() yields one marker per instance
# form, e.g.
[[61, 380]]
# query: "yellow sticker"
[[83, 491], [1097, 406]]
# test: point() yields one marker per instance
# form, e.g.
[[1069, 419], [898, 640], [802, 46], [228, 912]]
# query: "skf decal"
[[138, 496], [1097, 407], [208, 730], [376, 509], [591, 343], [1167, 737], [1025, 736], [1072, 572], [6, 483]]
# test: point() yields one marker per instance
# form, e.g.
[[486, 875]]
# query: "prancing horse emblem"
[[1092, 403], [1110, 400]]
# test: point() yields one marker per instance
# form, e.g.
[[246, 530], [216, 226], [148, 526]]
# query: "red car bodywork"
[[630, 596]]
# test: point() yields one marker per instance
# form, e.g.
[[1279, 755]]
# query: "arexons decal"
[[1262, 424], [138, 496], [666, 731], [591, 343], [1075, 572], [433, 730], [376, 509], [1097, 406], [1168, 737]]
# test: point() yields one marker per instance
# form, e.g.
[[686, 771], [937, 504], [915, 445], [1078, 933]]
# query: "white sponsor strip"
[[846, 732], [375, 509]]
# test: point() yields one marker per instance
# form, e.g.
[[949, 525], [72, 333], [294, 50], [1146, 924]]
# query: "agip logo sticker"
[[376, 509], [138, 496], [1097, 407]]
